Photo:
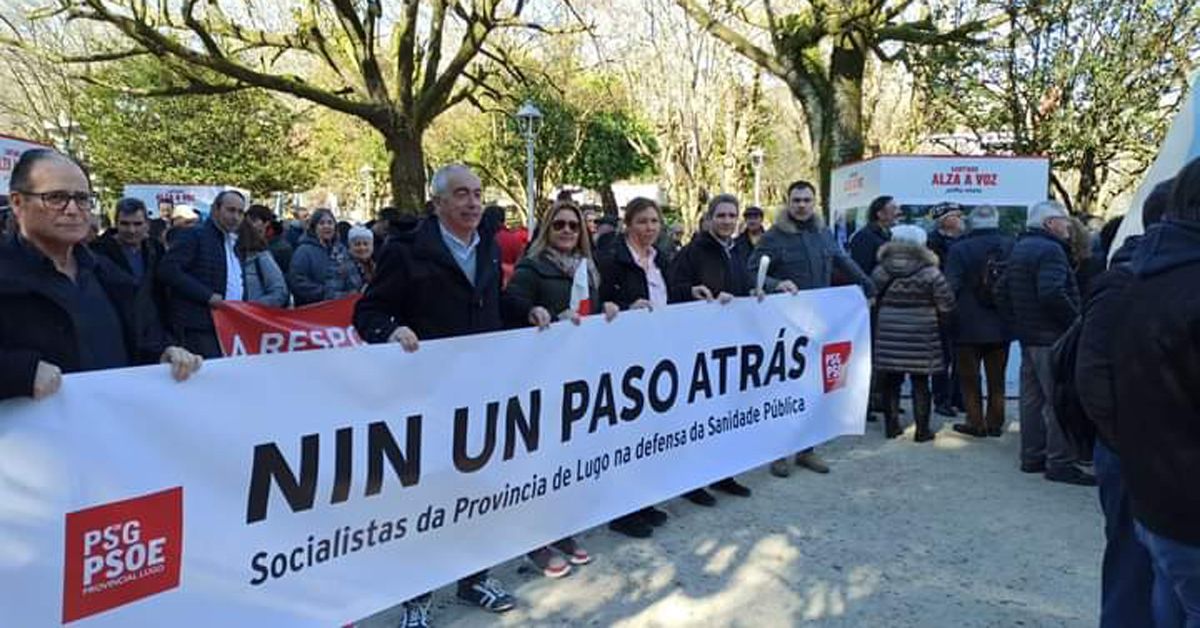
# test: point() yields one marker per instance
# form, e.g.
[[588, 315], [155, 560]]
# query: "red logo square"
[[122, 552], [835, 357]]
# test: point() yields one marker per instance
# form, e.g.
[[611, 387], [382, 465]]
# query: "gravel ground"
[[900, 534]]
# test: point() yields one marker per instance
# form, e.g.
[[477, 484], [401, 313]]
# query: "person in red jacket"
[[512, 242]]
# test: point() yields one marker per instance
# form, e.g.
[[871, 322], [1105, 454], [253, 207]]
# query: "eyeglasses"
[[560, 225], [58, 200]]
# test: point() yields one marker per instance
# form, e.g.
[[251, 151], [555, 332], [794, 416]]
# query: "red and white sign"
[[10, 151], [932, 179], [835, 357], [121, 552], [163, 198], [251, 329]]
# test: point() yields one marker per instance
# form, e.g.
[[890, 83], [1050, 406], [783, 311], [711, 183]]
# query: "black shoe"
[[652, 516], [963, 428], [1033, 467], [488, 594], [1070, 475], [995, 432], [923, 436], [891, 429], [946, 411], [700, 497], [632, 526], [416, 613], [730, 485]]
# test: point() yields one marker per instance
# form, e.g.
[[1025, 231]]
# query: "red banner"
[[250, 329]]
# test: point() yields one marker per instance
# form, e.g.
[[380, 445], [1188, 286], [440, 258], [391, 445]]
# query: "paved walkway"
[[900, 534]]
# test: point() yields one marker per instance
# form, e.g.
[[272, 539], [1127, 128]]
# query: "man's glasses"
[[58, 200], [559, 225]]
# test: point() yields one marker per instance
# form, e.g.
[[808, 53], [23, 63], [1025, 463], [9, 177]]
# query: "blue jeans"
[[1178, 565], [1128, 595]]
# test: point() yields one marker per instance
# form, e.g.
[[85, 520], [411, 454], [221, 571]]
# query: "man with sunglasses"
[[63, 309]]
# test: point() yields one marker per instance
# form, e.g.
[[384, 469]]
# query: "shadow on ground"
[[900, 534]]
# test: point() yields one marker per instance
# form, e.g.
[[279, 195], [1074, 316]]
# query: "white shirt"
[[656, 285], [233, 270]]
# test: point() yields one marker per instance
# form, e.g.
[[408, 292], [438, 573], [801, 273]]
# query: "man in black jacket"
[[1156, 370], [132, 249], [63, 309], [865, 243], [948, 229], [981, 335], [1040, 301], [439, 281], [1127, 577], [201, 269]]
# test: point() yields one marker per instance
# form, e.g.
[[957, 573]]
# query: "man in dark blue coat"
[[1040, 301], [1156, 370], [63, 309], [865, 243], [201, 269], [981, 335], [439, 281], [1127, 587]]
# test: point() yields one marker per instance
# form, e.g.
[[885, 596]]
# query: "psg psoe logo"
[[835, 357], [121, 552]]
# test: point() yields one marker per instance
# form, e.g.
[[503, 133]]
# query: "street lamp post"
[[756, 160], [530, 118]]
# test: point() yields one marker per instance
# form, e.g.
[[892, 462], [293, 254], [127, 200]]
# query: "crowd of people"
[[946, 305]]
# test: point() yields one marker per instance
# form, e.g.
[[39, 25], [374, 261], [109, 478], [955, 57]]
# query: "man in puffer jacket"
[[1039, 298], [913, 298]]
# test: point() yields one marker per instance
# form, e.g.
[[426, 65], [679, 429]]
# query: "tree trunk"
[[406, 170], [847, 64], [608, 200], [1089, 186]]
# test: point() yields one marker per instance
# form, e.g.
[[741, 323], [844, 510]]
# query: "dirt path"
[[899, 534]]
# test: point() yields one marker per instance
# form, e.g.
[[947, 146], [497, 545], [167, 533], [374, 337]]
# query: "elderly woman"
[[633, 275], [540, 291], [321, 268], [913, 296], [362, 251]]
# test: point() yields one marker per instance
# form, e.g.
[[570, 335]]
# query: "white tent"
[[1181, 145]]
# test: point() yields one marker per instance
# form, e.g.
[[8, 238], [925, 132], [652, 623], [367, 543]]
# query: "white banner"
[[932, 179], [316, 488], [160, 199], [10, 151]]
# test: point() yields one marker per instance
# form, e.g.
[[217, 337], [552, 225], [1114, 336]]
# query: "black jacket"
[[622, 281], [419, 285], [537, 281], [1094, 358], [704, 261], [1157, 371], [975, 322], [152, 254], [38, 320], [941, 245], [1039, 297], [193, 270], [865, 243]]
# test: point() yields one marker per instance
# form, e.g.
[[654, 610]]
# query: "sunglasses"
[[560, 225]]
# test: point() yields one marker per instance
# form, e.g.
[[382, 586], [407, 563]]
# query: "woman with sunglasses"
[[634, 277], [539, 292]]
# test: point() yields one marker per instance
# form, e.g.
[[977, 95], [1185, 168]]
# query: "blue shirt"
[[462, 252], [137, 264]]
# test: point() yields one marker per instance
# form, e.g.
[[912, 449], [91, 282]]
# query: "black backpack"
[[994, 265], [1068, 410]]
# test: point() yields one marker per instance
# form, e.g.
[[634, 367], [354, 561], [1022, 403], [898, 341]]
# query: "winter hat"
[[1043, 211], [985, 217], [358, 232], [911, 234], [941, 210]]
